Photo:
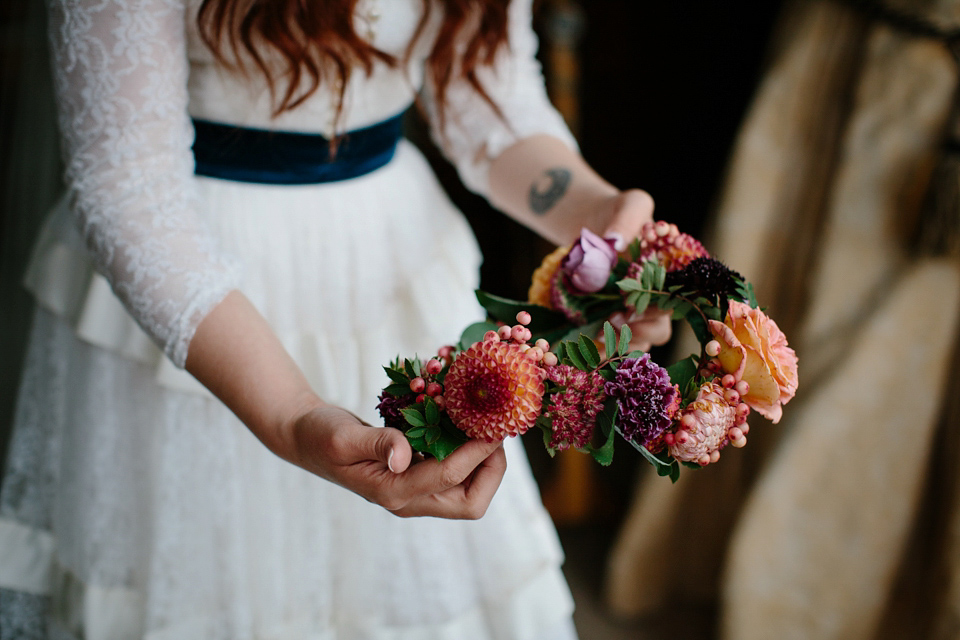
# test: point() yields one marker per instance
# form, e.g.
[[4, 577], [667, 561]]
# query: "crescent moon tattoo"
[[548, 189]]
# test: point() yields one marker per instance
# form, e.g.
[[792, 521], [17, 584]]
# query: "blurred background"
[[813, 146]]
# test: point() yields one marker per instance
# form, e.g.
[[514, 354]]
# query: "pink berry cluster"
[[663, 242], [716, 418]]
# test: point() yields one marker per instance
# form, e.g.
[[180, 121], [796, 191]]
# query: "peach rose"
[[753, 348]]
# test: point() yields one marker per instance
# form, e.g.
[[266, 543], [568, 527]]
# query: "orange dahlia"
[[493, 390], [542, 283]]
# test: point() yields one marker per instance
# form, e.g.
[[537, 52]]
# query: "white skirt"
[[145, 509]]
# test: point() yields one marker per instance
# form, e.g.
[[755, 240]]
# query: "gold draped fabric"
[[840, 522]]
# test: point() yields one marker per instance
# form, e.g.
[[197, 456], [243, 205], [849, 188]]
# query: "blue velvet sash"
[[240, 154]]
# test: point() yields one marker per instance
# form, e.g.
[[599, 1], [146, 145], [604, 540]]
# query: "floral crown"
[[557, 363]]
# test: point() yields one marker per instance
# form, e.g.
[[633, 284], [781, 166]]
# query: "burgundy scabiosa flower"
[[494, 390], [647, 399], [574, 408], [705, 277], [390, 406]]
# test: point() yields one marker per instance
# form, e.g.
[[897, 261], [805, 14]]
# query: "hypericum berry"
[[440, 402], [446, 352], [434, 389], [518, 333], [434, 366], [742, 387], [550, 359], [505, 332], [524, 318], [418, 384], [731, 396], [712, 348], [728, 381], [543, 345], [421, 397], [536, 353], [491, 336]]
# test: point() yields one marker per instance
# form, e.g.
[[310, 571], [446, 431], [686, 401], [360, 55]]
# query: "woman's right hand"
[[379, 465]]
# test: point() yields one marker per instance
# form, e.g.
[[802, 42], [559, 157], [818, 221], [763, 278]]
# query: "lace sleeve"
[[473, 134], [120, 69]]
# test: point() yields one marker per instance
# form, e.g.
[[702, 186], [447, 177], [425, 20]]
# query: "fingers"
[[652, 328], [433, 476], [385, 445], [467, 500], [633, 208]]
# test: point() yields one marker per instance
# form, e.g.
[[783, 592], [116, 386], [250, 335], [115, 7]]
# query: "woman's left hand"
[[628, 212]]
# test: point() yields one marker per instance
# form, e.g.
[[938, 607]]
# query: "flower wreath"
[[556, 362]]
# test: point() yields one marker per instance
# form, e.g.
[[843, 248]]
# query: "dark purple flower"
[[390, 407], [647, 399], [705, 277], [588, 265]]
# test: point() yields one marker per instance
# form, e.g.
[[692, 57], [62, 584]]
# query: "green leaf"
[[589, 350], [634, 249], [474, 333], [609, 341], [412, 372], [416, 432], [699, 326], [398, 389], [661, 276], [682, 309], [505, 310], [413, 417], [560, 350], [626, 335], [682, 371], [573, 354], [432, 435], [643, 301], [431, 412], [397, 376], [629, 284], [603, 453]]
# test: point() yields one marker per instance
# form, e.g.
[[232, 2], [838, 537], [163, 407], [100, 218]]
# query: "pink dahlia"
[[704, 424], [664, 243], [574, 408], [493, 390], [647, 400]]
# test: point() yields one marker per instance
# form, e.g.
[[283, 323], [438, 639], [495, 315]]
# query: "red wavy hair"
[[316, 37]]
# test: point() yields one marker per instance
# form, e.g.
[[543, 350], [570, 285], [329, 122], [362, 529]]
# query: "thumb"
[[388, 446], [632, 210]]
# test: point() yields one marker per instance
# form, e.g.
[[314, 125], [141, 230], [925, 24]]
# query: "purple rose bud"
[[588, 265]]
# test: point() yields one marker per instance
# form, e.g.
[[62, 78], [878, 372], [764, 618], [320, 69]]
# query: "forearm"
[[547, 186], [236, 355]]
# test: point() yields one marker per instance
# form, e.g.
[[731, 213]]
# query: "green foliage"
[[609, 341], [601, 449], [431, 430], [626, 335], [505, 310], [474, 333], [746, 293]]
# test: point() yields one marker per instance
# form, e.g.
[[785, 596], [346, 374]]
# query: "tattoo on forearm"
[[548, 189]]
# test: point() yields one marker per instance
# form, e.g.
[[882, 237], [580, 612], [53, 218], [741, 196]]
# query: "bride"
[[246, 238]]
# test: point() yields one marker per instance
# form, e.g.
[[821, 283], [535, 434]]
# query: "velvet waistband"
[[242, 154]]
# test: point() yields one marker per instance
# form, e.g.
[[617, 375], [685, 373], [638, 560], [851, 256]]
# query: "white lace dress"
[[133, 500]]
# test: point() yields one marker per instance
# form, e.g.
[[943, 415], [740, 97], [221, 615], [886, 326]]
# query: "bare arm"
[[236, 355]]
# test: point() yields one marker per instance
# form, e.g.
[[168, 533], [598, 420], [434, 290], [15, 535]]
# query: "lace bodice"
[[130, 73]]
